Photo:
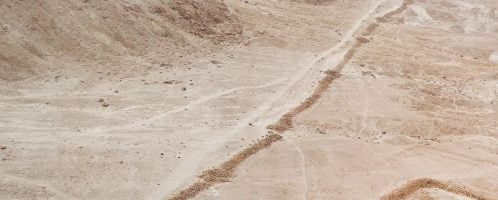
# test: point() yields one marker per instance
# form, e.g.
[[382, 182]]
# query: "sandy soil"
[[300, 99]]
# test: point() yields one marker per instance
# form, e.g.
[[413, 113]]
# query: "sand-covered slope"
[[36, 35], [253, 99]]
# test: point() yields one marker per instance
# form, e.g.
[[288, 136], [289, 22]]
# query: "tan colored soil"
[[249, 99]]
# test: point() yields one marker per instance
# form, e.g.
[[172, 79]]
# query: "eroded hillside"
[[217, 99]]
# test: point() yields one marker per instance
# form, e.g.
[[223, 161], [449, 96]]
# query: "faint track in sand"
[[194, 103], [37, 184], [226, 170]]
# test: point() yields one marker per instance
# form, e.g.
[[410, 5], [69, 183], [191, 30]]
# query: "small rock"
[[215, 62], [169, 82]]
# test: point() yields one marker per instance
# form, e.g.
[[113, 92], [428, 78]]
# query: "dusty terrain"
[[256, 99]]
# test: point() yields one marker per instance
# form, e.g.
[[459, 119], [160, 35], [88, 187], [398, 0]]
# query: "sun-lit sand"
[[256, 99]]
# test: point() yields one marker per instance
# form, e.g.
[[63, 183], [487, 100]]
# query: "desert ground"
[[249, 99]]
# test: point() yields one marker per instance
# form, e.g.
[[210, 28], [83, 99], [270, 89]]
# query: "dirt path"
[[227, 169], [285, 123]]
